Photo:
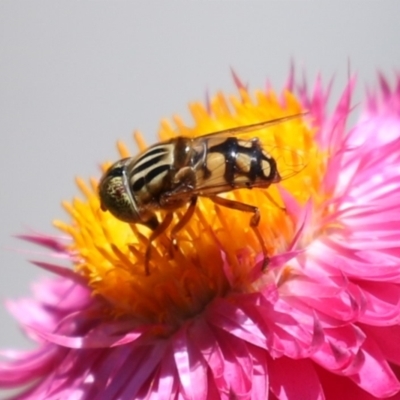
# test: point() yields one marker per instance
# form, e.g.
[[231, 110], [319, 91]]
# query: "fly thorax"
[[149, 174]]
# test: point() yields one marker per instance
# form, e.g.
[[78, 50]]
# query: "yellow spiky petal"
[[110, 253]]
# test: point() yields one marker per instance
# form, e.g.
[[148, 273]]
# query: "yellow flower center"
[[217, 249]]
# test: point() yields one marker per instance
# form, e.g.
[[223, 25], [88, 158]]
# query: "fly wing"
[[213, 186], [288, 161], [238, 130]]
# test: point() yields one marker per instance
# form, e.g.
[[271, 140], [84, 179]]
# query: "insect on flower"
[[174, 173]]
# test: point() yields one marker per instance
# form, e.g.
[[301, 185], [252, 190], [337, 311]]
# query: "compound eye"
[[114, 172], [115, 195]]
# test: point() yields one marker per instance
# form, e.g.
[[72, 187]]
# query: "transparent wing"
[[289, 164], [254, 127], [289, 161]]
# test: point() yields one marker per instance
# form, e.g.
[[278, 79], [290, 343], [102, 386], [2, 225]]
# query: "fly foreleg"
[[183, 221], [179, 195], [156, 232]]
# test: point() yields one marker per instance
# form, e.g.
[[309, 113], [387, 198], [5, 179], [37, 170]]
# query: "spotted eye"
[[115, 195], [114, 172]]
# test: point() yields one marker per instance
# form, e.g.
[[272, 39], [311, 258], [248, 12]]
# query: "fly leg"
[[183, 221], [179, 196], [254, 221], [159, 229]]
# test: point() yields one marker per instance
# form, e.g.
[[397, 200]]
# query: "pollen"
[[217, 252]]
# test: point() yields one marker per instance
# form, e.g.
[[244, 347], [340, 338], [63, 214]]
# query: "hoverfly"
[[174, 173]]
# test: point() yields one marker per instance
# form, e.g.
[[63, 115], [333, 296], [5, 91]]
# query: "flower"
[[208, 322]]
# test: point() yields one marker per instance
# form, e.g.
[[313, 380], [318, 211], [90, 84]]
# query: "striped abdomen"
[[231, 163]]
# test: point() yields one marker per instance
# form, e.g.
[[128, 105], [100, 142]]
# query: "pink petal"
[[190, 366], [295, 379], [100, 337], [387, 338], [375, 375]]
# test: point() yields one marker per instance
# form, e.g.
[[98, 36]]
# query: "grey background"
[[76, 76]]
